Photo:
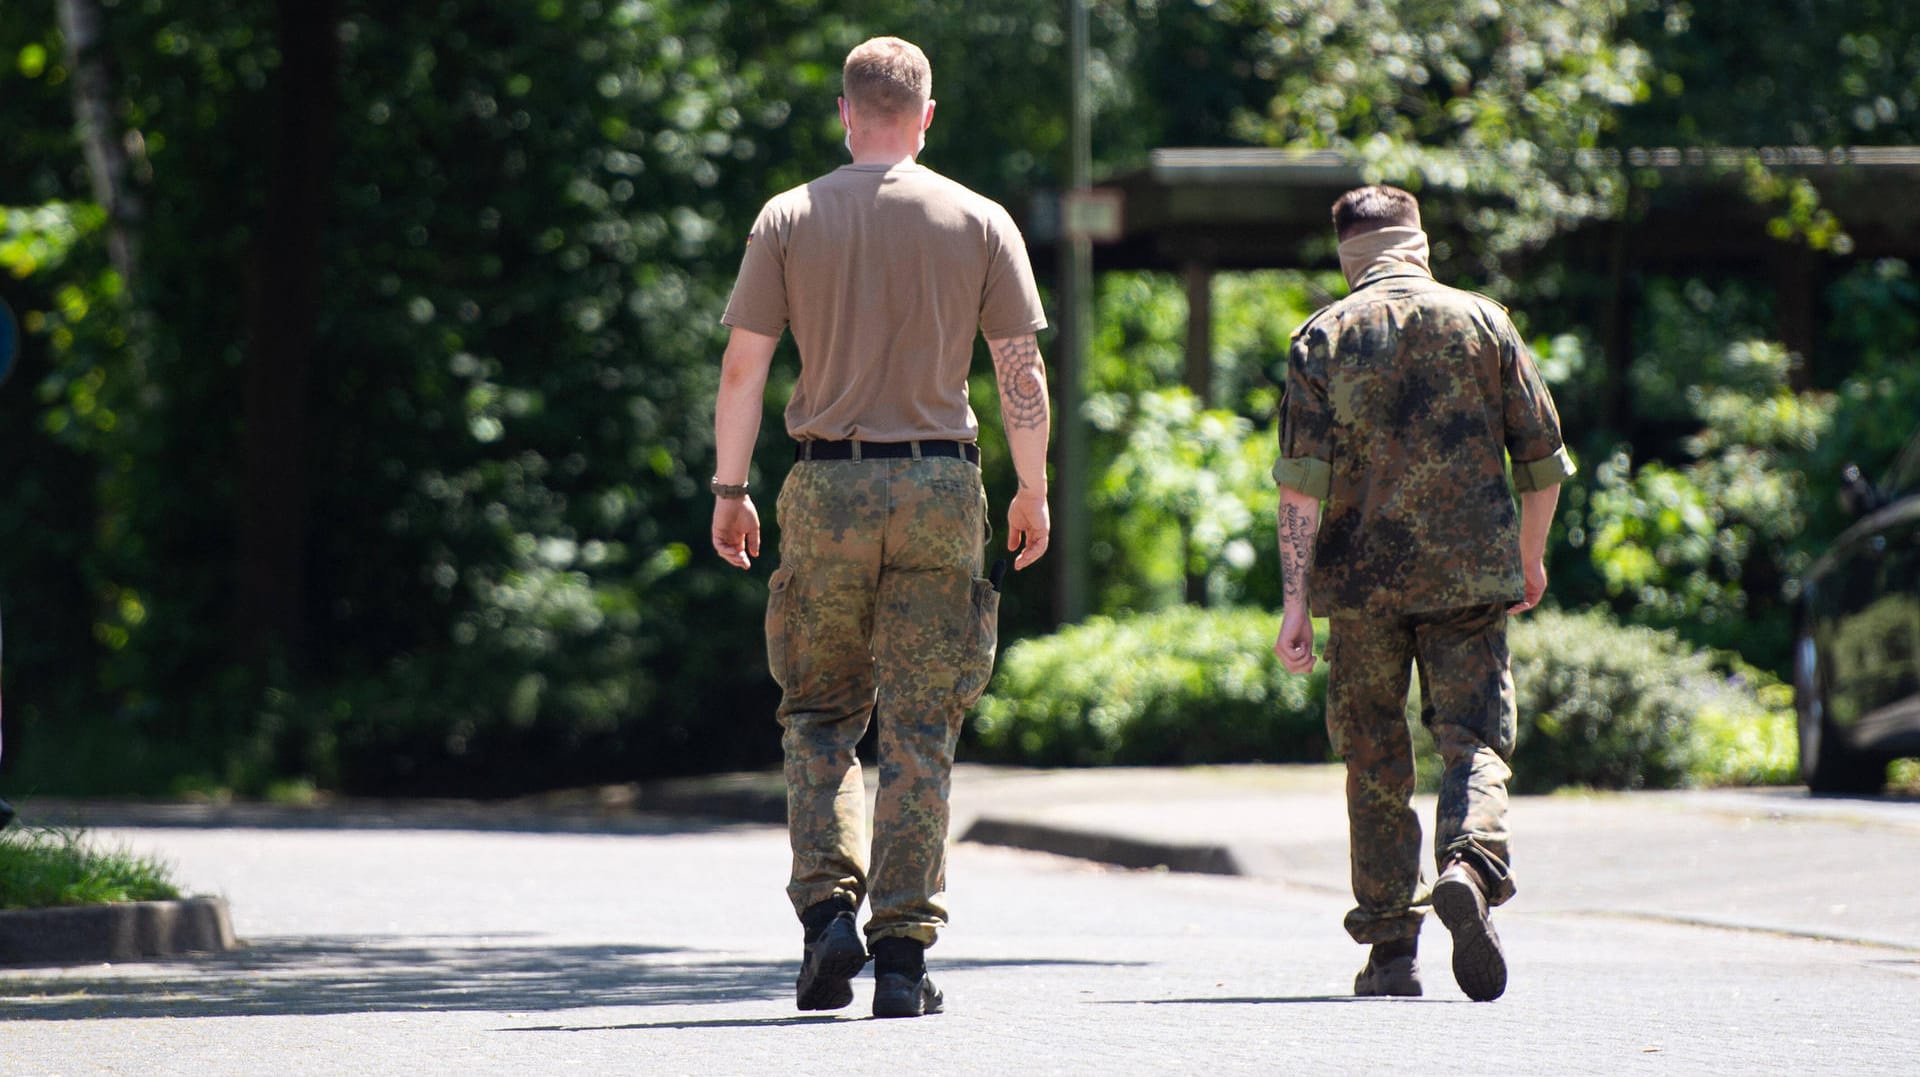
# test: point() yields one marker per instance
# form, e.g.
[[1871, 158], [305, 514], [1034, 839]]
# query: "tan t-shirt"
[[884, 274]]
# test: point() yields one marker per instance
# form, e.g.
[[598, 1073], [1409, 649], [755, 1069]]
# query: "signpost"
[[9, 350]]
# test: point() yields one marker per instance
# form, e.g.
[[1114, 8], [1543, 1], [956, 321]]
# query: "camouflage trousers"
[[878, 605], [1466, 701]]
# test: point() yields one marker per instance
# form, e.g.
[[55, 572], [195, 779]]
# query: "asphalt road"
[[669, 949]]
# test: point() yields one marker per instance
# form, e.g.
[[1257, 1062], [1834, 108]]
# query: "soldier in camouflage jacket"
[[1413, 414]]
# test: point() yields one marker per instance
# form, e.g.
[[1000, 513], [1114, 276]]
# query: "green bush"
[[1600, 704], [1185, 685], [1626, 707]]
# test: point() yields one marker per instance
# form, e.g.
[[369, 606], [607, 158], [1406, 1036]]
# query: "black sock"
[[1387, 951], [818, 915], [894, 954]]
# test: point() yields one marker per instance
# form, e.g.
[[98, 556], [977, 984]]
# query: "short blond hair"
[[888, 76]]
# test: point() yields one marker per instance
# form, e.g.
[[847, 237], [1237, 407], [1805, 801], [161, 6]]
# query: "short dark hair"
[[1364, 209]]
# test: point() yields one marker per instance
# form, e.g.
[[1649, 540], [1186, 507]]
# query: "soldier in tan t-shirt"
[[885, 271]]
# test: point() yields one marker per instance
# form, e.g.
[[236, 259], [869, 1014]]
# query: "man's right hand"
[[1028, 523], [1536, 520], [736, 530], [1536, 574]]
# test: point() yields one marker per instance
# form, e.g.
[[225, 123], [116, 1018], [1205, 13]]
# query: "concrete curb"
[[124, 931], [1104, 848], [761, 798], [741, 798]]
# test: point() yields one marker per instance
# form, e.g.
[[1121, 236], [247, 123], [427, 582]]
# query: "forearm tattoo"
[[1023, 383], [1297, 530]]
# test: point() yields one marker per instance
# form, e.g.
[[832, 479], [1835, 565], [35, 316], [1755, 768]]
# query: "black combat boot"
[[901, 986], [832, 957], [1460, 900], [1393, 968]]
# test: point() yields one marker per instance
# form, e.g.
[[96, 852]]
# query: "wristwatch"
[[726, 491]]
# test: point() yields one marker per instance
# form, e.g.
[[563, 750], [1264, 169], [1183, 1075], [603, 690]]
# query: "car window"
[[1904, 479]]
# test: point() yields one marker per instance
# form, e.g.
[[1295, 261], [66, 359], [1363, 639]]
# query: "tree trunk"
[[84, 27], [275, 502]]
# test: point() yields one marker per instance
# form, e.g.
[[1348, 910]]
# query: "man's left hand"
[[736, 530], [1028, 522]]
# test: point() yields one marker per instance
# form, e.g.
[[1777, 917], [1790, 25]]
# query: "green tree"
[[1505, 100]]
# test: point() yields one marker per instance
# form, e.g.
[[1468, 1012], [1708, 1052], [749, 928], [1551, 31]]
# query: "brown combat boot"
[[1460, 900], [1392, 969]]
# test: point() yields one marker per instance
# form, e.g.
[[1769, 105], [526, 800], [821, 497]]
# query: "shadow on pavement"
[[360, 815], [770, 1022], [1249, 1001], [322, 975], [337, 975]]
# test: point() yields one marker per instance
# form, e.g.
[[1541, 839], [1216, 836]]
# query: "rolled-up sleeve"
[[1531, 475], [1534, 441], [1306, 420]]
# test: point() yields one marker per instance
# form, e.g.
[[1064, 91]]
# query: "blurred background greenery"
[[363, 418]]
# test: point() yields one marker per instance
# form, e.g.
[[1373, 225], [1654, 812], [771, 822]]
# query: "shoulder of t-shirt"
[[789, 201], [963, 195]]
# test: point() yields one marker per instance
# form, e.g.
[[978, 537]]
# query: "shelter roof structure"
[[1250, 208]]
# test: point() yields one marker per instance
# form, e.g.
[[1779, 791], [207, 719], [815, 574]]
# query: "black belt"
[[885, 450]]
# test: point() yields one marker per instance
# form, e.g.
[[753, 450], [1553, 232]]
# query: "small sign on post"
[[1097, 214], [9, 340]]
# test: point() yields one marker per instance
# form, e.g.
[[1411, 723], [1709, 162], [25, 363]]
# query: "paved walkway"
[[579, 933], [1774, 860]]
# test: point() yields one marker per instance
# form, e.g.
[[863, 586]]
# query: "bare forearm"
[[1299, 525], [1024, 408], [1536, 522], [736, 413]]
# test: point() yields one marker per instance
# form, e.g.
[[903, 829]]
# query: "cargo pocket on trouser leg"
[[981, 641], [777, 586]]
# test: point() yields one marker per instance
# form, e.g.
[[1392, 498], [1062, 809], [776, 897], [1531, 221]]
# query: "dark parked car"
[[1856, 660]]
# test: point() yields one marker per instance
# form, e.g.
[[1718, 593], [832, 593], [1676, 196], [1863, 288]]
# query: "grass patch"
[[42, 867]]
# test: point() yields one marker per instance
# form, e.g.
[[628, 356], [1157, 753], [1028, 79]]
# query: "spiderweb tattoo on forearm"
[[1023, 386]]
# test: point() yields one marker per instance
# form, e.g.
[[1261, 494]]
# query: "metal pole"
[[1072, 477]]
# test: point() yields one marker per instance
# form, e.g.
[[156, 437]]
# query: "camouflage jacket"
[[1403, 403]]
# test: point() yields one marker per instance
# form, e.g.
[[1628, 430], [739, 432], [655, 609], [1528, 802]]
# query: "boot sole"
[[1479, 965], [826, 979]]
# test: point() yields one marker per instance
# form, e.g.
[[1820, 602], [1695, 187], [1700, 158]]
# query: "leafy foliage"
[[1625, 707], [531, 214], [1187, 497], [1183, 685], [1403, 84], [1599, 704]]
